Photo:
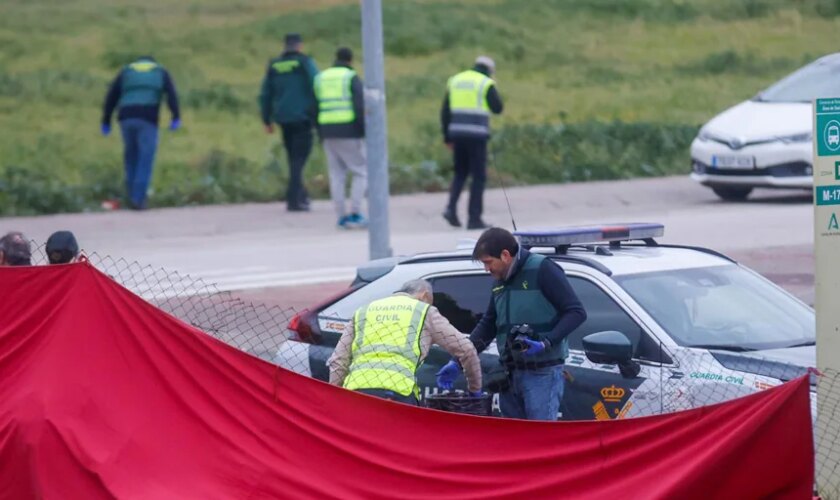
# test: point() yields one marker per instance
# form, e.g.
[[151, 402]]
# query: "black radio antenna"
[[502, 182]]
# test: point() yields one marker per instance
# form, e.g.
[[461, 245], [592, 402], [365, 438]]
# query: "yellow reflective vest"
[[386, 349], [335, 99], [468, 104]]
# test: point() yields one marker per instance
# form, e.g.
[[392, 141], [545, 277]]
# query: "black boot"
[[452, 218], [478, 224]]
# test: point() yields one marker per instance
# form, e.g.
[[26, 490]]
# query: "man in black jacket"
[[529, 289], [287, 98], [465, 118]]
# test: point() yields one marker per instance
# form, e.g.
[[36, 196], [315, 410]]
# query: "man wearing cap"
[[15, 250], [465, 118], [137, 92], [62, 247], [287, 98], [341, 124]]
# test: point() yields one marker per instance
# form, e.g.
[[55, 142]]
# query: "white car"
[[766, 141]]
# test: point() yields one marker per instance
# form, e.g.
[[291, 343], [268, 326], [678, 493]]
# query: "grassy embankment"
[[594, 89]]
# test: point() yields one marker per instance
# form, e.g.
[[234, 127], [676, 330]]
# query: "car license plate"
[[733, 161]]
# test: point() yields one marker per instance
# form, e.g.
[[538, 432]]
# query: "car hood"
[[782, 364], [753, 120]]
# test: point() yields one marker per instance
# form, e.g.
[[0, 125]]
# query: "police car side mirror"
[[608, 348]]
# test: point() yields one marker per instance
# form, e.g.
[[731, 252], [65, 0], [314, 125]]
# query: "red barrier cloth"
[[104, 396]]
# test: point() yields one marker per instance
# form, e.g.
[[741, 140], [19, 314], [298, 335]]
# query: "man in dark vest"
[[529, 289], [137, 92], [287, 97]]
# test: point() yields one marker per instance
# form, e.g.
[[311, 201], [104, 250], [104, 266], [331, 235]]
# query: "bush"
[[530, 154], [524, 154]]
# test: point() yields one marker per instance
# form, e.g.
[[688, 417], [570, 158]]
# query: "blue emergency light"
[[579, 235]]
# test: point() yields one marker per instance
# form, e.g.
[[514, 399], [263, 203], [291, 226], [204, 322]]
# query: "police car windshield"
[[724, 306]]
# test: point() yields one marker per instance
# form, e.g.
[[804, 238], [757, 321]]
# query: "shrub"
[[592, 150]]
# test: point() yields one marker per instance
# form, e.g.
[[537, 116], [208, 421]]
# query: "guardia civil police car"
[[668, 327]]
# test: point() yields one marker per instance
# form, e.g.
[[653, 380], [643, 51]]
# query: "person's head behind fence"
[[62, 247], [15, 250]]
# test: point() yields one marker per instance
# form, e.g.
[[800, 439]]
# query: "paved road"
[[260, 246]]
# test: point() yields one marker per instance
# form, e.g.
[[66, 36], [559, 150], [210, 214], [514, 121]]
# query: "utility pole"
[[379, 231]]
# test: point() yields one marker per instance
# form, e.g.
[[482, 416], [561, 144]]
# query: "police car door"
[[600, 392], [462, 298]]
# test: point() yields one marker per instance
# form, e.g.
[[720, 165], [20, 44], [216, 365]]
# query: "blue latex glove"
[[534, 346], [175, 125], [446, 376], [477, 394], [106, 129]]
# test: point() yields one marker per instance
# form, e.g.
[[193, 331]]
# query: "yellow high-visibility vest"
[[335, 99], [470, 114], [386, 351]]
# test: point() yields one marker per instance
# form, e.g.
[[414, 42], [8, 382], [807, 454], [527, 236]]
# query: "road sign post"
[[827, 276]]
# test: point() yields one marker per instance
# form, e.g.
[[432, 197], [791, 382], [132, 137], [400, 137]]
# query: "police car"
[[668, 327]]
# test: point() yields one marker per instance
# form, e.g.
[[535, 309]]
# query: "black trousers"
[[470, 157], [297, 139]]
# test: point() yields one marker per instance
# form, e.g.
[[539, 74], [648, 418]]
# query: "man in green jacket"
[[288, 99]]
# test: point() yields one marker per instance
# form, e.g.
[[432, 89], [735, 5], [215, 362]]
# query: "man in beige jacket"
[[380, 351]]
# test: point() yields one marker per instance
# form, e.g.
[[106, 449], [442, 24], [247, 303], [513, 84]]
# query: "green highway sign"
[[827, 133], [827, 195]]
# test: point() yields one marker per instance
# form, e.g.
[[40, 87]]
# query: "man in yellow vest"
[[388, 339], [465, 118], [341, 123]]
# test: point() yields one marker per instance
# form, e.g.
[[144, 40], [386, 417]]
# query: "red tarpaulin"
[[105, 396]]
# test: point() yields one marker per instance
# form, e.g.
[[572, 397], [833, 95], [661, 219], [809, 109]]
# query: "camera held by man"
[[523, 338]]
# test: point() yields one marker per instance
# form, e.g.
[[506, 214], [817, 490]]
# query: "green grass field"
[[592, 88]]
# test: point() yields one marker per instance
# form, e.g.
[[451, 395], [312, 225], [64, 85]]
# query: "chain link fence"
[[595, 387]]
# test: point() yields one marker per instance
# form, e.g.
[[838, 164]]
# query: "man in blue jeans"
[[532, 311], [137, 92]]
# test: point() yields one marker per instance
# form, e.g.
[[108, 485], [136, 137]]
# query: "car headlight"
[[803, 137], [704, 136]]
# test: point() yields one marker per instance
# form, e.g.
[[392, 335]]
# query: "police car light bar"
[[564, 237]]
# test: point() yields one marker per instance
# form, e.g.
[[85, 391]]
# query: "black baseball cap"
[[293, 38], [62, 247]]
